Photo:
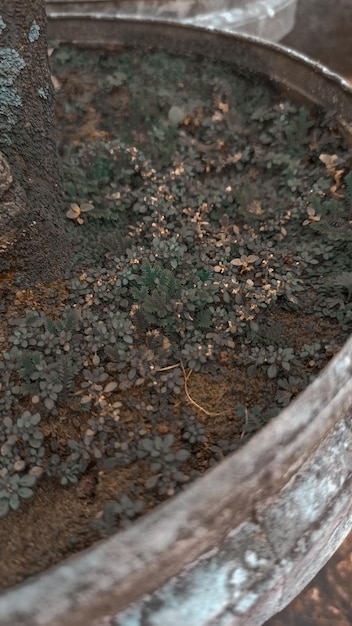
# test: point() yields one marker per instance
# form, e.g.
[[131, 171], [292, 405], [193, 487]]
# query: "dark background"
[[323, 31]]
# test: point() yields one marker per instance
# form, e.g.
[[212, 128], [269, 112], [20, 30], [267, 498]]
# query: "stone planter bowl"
[[270, 19], [243, 540]]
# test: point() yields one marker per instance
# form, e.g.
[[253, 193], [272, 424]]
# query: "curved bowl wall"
[[269, 19]]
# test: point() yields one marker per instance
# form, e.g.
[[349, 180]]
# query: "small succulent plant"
[[13, 488]]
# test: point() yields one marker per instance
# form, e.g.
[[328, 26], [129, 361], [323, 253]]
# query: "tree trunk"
[[33, 242]]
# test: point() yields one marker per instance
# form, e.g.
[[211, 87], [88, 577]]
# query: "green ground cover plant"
[[210, 281]]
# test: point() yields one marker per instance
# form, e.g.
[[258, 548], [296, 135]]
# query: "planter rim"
[[180, 534], [127, 22], [273, 19]]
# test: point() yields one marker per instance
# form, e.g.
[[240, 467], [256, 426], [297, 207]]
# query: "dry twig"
[[186, 378]]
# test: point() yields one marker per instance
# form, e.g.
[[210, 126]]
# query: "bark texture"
[[33, 242]]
